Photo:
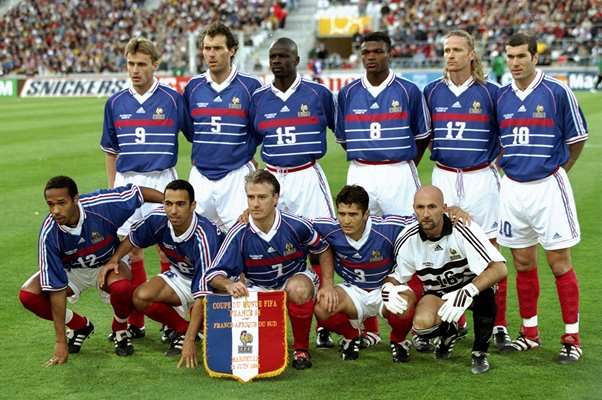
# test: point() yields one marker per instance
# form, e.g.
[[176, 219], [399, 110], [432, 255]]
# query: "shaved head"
[[429, 209], [287, 43], [430, 193]]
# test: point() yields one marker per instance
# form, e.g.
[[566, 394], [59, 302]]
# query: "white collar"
[[458, 90], [77, 229], [285, 95], [273, 230], [375, 90], [357, 244], [522, 94], [143, 97], [187, 234], [218, 87]]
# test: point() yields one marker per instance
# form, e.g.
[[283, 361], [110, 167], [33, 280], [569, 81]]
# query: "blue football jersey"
[[465, 129], [367, 262], [190, 254], [267, 263], [536, 130], [385, 127], [144, 134], [222, 140], [101, 214], [293, 124]]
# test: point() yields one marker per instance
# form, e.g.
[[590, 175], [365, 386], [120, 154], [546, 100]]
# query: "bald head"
[[429, 209], [288, 44]]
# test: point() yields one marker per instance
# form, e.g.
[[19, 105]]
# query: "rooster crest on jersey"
[[289, 249], [159, 114], [304, 111], [96, 237], [235, 103], [476, 108], [539, 113], [376, 256], [395, 106]]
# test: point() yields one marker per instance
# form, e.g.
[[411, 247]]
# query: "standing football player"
[[77, 238], [543, 132], [465, 144], [140, 141], [383, 124], [222, 144], [292, 116]]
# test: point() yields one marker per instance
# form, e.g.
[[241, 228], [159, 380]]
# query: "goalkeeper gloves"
[[391, 298], [457, 302]]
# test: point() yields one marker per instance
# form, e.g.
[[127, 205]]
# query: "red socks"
[[400, 326], [138, 278], [527, 287], [121, 300], [166, 315], [301, 316], [500, 302], [568, 294], [40, 306], [339, 323]]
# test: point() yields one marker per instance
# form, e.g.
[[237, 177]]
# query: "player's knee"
[[423, 321]]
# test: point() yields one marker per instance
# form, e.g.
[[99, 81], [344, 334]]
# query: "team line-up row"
[[420, 272]]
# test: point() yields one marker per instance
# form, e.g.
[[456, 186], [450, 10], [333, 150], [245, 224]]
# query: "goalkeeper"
[[459, 269]]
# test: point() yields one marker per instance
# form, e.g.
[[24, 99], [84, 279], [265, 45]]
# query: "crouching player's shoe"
[[323, 339], [135, 333], [521, 343], [400, 351], [571, 350], [123, 344], [301, 359], [445, 346], [175, 347], [350, 349], [501, 338], [369, 339], [480, 365], [422, 344], [75, 338]]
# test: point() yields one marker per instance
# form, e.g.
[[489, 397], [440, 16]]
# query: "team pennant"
[[245, 338]]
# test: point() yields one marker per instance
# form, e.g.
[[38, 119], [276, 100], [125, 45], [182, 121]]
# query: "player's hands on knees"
[[329, 298], [392, 299], [105, 270], [61, 353], [456, 214], [189, 356], [457, 302], [237, 289]]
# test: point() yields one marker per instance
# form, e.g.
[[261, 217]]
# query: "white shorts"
[[476, 192], [182, 287], [391, 187], [224, 200], [81, 279], [155, 180], [313, 277], [541, 211], [367, 304], [304, 191]]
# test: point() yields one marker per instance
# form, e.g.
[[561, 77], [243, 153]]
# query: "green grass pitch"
[[46, 137]]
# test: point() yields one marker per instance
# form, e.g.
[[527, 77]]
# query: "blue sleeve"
[[53, 276], [340, 118], [185, 119], [142, 233], [419, 114], [330, 109], [108, 141]]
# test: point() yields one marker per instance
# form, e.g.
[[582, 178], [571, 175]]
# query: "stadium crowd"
[[568, 30], [54, 37]]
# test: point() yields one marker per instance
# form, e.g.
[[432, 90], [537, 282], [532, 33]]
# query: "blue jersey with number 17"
[[537, 126], [293, 124], [385, 127], [465, 129], [92, 242], [190, 254], [222, 140]]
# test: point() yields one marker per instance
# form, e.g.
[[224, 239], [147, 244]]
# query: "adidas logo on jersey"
[[140, 111], [522, 109], [457, 105], [356, 255], [438, 248], [81, 240], [374, 106], [557, 236], [284, 109], [218, 99], [271, 250]]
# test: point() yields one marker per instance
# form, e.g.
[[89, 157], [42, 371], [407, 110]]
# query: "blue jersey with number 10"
[[537, 129]]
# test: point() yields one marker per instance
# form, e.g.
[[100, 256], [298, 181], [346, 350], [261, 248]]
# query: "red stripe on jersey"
[[527, 122], [226, 112], [288, 122], [376, 117], [143, 122], [461, 117], [384, 262], [89, 250], [274, 260], [172, 254]]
